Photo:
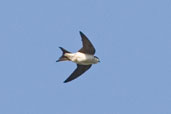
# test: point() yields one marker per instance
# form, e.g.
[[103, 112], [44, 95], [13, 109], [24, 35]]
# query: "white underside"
[[81, 58]]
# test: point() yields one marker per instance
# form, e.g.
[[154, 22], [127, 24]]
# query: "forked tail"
[[63, 57]]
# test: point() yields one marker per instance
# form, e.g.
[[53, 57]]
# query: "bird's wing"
[[87, 45], [78, 71]]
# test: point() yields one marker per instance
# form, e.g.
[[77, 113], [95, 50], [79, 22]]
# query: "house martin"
[[84, 58]]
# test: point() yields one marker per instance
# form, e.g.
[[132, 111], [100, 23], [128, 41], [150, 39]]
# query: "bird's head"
[[96, 59]]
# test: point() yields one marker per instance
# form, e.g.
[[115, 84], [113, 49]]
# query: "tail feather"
[[63, 57]]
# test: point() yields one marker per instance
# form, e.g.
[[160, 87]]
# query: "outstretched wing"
[[78, 71], [87, 45]]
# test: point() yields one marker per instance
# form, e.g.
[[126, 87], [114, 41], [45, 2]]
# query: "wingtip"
[[66, 81], [81, 33]]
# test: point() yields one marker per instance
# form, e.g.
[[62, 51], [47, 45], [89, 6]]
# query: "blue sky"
[[132, 40]]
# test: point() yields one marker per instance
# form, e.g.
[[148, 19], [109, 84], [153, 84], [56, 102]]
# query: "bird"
[[84, 58]]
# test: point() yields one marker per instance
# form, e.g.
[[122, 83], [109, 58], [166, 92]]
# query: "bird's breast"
[[81, 58]]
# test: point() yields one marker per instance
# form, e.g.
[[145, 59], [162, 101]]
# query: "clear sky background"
[[132, 39]]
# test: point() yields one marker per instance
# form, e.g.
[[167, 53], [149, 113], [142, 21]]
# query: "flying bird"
[[84, 58]]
